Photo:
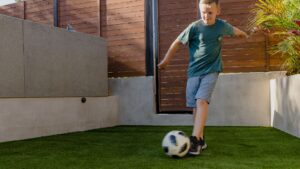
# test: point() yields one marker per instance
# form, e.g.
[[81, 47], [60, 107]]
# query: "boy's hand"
[[169, 55], [246, 35], [161, 66], [253, 30], [240, 33]]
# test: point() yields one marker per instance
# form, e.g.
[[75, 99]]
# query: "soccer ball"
[[176, 144]]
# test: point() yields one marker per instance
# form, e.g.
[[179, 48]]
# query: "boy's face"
[[209, 13]]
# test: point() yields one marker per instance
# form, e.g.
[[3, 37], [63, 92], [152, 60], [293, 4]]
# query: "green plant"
[[280, 18]]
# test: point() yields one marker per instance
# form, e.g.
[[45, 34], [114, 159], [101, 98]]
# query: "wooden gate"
[[173, 17]]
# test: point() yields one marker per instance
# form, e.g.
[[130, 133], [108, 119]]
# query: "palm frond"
[[278, 16]]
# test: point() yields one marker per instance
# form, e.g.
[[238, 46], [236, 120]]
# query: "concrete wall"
[[42, 61], [240, 99], [11, 58], [22, 118], [285, 104]]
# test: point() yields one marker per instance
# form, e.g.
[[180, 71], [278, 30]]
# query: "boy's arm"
[[239, 33], [170, 54]]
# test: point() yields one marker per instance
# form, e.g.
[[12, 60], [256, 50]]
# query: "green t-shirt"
[[205, 46]]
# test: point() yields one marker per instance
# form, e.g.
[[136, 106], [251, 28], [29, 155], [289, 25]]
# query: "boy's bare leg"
[[200, 116], [194, 114]]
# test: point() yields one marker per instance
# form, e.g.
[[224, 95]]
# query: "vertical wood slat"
[[99, 17], [267, 57], [24, 9]]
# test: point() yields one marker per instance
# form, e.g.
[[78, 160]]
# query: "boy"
[[204, 39]]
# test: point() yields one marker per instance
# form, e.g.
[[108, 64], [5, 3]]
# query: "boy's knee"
[[201, 102]]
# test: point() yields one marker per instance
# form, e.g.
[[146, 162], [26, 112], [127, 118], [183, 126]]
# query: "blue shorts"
[[200, 87]]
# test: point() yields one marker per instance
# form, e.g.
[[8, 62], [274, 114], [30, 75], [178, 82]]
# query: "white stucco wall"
[[285, 104], [23, 118], [240, 99]]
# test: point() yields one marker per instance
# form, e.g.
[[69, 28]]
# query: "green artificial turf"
[[139, 147]]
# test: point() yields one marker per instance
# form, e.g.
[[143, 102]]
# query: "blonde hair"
[[209, 2]]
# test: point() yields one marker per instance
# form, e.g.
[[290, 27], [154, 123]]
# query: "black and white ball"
[[176, 144]]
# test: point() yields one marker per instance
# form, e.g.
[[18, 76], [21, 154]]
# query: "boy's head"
[[209, 9]]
